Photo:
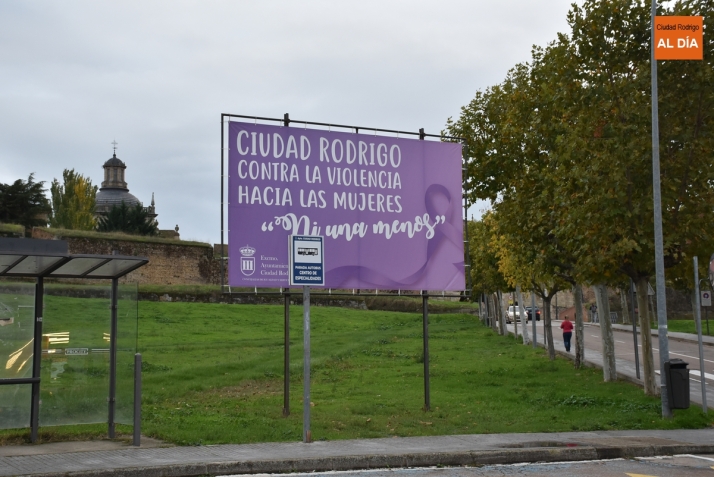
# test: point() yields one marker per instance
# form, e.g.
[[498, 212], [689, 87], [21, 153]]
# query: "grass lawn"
[[213, 373], [688, 326]]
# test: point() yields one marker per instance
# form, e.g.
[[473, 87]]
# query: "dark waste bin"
[[677, 383]]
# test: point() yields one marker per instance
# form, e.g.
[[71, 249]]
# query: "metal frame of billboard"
[[329, 292]]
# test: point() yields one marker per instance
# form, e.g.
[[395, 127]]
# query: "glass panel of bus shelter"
[[75, 353], [127, 328], [17, 312]]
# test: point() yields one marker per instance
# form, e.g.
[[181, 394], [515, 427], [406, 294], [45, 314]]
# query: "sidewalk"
[[360, 454]]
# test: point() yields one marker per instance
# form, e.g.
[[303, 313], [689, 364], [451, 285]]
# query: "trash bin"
[[677, 383]]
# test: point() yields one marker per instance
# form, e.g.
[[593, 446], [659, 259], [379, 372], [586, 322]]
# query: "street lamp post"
[[659, 247]]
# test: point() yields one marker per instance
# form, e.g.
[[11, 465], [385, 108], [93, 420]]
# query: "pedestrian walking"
[[567, 327]]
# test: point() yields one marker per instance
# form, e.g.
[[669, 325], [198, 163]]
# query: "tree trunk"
[[504, 328], [515, 320], [522, 312], [625, 309], [579, 328], [651, 387], [482, 309], [494, 313], [547, 330], [609, 370]]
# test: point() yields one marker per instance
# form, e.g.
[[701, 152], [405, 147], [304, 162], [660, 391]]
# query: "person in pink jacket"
[[567, 327]]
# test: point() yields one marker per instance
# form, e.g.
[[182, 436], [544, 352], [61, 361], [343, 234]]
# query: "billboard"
[[389, 208]]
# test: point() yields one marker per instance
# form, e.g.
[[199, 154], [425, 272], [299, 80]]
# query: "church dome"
[[114, 162], [108, 198], [114, 188]]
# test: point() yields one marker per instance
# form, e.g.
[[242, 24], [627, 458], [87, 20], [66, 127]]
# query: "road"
[[625, 354], [677, 466]]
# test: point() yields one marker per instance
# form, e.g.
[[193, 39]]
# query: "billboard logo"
[[247, 261]]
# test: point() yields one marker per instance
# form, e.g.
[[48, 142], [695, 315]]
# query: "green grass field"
[[688, 326], [213, 373]]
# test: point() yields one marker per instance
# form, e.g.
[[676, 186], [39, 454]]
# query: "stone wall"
[[171, 262]]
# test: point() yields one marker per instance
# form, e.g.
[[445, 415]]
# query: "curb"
[[344, 463]]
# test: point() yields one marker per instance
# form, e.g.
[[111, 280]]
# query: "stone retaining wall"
[[170, 262]]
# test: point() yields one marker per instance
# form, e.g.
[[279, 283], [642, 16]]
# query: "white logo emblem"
[[247, 261]]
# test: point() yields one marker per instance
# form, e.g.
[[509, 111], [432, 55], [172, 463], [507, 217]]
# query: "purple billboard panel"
[[389, 208]]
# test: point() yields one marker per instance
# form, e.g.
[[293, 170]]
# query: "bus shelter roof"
[[49, 259]]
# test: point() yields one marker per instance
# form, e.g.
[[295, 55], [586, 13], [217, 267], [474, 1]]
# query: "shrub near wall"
[[171, 262]]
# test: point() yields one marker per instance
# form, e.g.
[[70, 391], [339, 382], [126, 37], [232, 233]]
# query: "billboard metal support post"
[[658, 236], [425, 322], [113, 360], [698, 316], [137, 400], [533, 319], [306, 433], [37, 360], [222, 181], [634, 328], [286, 363]]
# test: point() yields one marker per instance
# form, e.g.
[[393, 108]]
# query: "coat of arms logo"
[[247, 260]]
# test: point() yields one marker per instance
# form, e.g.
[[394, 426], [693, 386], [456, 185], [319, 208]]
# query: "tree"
[[562, 148], [130, 220], [609, 222], [73, 202], [485, 275], [24, 203]]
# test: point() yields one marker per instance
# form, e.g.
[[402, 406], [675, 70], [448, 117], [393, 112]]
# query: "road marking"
[[595, 336], [695, 457], [618, 341], [687, 356], [697, 373], [639, 475]]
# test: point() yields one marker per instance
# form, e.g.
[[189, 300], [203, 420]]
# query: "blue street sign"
[[307, 260]]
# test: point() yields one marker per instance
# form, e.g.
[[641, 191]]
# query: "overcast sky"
[[156, 75]]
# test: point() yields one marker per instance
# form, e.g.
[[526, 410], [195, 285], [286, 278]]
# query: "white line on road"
[[695, 457], [687, 356], [696, 373], [618, 341]]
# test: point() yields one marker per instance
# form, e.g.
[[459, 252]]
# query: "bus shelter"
[[24, 346]]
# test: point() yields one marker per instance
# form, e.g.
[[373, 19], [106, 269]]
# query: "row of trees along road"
[[562, 150], [71, 207]]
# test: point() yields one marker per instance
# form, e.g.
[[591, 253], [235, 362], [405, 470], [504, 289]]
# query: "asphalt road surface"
[[677, 466], [625, 349]]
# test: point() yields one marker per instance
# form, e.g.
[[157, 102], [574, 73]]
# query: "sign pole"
[[306, 266], [306, 434], [698, 316], [706, 317], [634, 327]]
